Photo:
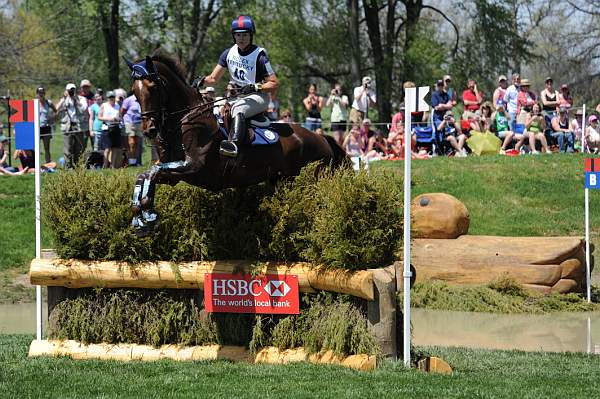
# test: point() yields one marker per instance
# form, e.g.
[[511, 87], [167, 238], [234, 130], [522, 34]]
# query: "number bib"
[[242, 67]]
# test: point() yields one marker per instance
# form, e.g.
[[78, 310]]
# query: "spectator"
[[576, 126], [286, 116], [365, 132], [4, 168], [27, 159], [564, 97], [592, 135], [472, 98], [364, 97], [109, 115], [377, 147], [498, 96], [71, 108], [313, 104], [339, 112], [354, 146], [550, 100], [525, 101], [86, 92], [273, 108], [451, 136], [47, 112], [535, 125], [510, 100], [486, 116], [561, 131], [502, 127], [131, 115], [441, 103], [451, 92], [96, 124], [397, 124]]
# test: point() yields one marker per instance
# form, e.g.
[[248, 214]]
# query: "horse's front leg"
[[145, 217]]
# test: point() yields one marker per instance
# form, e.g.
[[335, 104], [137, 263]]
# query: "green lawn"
[[478, 373]]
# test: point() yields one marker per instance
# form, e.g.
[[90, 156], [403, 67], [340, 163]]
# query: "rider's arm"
[[271, 84], [215, 75]]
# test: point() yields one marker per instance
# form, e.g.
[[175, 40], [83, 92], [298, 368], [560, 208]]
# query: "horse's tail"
[[340, 158]]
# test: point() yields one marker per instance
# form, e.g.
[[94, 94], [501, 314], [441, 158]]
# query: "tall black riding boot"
[[229, 148]]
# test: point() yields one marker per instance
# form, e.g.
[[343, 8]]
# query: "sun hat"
[[548, 78], [525, 82], [592, 118], [579, 112], [70, 86]]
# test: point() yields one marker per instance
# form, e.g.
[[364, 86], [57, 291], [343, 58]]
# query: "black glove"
[[249, 89], [198, 82]]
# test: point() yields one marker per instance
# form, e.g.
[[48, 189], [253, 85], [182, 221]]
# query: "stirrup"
[[228, 149]]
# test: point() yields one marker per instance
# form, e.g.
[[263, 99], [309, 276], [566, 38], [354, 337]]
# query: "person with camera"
[[339, 112], [472, 98], [535, 125], [313, 104], [441, 103], [451, 135], [72, 108], [47, 113], [252, 75], [364, 96]]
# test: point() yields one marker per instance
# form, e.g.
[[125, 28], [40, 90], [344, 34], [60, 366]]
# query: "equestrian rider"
[[251, 73]]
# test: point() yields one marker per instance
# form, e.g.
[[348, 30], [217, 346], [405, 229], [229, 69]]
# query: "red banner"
[[243, 293], [21, 111], [592, 165]]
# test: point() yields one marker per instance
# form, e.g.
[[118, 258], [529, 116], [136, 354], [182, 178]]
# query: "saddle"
[[259, 131]]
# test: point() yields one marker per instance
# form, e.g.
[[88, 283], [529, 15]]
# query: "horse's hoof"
[[145, 223]]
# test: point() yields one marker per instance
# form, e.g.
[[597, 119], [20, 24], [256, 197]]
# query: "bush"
[[340, 219], [157, 317]]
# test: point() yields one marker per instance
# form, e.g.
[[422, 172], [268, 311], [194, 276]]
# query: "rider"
[[253, 75]]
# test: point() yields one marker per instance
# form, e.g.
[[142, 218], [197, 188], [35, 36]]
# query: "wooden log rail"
[[128, 352], [73, 273]]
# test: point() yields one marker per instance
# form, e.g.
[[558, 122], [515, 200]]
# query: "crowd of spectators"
[[522, 121]]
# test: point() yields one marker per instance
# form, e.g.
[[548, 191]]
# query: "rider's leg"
[[243, 108]]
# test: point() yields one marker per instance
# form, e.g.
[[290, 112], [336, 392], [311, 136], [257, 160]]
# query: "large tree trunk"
[[413, 13], [382, 55], [110, 31], [353, 30]]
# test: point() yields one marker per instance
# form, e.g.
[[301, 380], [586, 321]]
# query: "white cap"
[[210, 89], [366, 79], [70, 86]]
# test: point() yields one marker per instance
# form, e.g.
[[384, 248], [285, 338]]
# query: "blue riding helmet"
[[243, 23]]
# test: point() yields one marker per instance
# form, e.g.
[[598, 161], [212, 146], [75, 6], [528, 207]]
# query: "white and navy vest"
[[243, 67]]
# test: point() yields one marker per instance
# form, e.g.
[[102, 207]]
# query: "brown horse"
[[188, 135]]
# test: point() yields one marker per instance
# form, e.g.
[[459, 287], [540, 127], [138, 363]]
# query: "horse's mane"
[[170, 62]]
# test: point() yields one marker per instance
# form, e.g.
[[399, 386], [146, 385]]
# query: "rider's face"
[[242, 39]]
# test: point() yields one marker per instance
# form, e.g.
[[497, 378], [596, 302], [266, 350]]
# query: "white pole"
[[38, 226], [587, 245], [583, 130], [410, 95]]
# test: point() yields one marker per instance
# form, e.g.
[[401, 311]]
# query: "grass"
[[478, 373]]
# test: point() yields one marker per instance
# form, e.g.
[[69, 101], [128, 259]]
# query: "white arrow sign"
[[414, 96]]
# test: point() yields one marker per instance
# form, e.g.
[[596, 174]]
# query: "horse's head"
[[150, 91]]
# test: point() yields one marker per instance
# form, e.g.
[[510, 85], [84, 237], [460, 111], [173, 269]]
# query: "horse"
[[187, 135]]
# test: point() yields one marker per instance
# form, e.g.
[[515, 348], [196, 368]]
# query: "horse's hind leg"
[[145, 217]]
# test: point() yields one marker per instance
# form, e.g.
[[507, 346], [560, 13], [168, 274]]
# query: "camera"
[[72, 92]]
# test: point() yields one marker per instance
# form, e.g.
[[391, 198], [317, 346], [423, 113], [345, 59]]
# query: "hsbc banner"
[[243, 293]]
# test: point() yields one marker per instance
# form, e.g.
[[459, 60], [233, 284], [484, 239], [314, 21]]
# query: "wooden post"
[[381, 312]]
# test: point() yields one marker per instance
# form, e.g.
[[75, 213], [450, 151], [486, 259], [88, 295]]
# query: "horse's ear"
[[129, 63], [150, 65]]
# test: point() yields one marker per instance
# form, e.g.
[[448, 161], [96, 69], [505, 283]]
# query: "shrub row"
[[340, 219], [174, 316]]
